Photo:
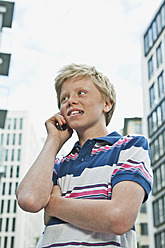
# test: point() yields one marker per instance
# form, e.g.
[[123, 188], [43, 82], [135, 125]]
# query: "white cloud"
[[48, 34]]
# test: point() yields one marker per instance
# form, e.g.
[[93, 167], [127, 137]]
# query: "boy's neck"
[[88, 134]]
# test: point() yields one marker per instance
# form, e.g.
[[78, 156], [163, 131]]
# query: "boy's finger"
[[56, 190]]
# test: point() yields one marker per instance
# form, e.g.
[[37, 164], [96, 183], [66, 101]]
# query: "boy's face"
[[82, 105]]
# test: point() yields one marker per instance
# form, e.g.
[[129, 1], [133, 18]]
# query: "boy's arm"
[[34, 191], [115, 216]]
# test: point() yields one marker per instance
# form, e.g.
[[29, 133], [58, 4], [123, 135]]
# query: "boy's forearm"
[[91, 215], [115, 216], [34, 191]]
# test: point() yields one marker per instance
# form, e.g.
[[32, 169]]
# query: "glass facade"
[[154, 59], [150, 67], [159, 211], [157, 147], [159, 178], [159, 55], [152, 95], [161, 85], [156, 119], [154, 30]]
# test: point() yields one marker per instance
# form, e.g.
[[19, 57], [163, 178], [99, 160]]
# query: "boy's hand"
[[58, 133], [47, 218], [55, 195]]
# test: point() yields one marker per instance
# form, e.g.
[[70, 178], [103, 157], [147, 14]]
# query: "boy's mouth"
[[75, 112]]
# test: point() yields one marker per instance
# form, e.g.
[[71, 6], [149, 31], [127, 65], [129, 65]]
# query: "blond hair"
[[85, 71]]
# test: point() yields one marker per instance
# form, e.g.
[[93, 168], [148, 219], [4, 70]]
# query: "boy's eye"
[[81, 92], [63, 99]]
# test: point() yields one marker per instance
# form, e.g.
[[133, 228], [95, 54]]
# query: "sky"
[[48, 34]]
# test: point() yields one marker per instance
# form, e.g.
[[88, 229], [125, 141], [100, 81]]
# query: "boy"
[[98, 188]]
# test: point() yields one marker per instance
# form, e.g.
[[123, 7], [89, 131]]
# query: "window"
[[143, 208], [11, 171], [156, 213], [144, 246], [9, 123], [144, 229], [21, 123], [14, 138], [19, 155], [138, 128], [1, 154], [159, 211], [5, 242], [0, 224], [146, 45], [161, 87], [6, 155], [16, 185], [15, 123], [156, 150], [12, 155], [7, 225], [17, 171], [150, 37], [157, 147], [3, 188], [5, 171], [163, 16], [163, 134], [162, 168], [156, 118], [163, 109], [159, 179], [13, 225], [152, 95], [2, 206], [154, 121], [158, 22], [161, 147], [7, 140], [159, 55], [2, 136], [160, 239], [20, 139], [8, 206], [150, 67], [12, 242], [15, 206], [10, 188], [159, 115], [154, 31]]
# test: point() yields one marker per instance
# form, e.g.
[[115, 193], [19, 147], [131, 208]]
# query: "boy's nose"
[[72, 100]]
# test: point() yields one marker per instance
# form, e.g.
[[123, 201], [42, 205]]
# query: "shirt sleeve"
[[55, 171], [134, 164]]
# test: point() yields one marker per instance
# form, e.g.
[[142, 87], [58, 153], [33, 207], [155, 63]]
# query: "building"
[[134, 126], [2, 124], [21, 145], [153, 80]]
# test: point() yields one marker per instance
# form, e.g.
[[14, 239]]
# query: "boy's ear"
[[108, 105]]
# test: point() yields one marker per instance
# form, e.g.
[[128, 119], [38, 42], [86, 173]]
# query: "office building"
[[153, 79], [133, 126], [20, 145]]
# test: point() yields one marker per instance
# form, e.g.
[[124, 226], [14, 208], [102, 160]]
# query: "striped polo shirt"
[[91, 172]]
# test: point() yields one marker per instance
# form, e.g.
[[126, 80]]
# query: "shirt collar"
[[110, 138]]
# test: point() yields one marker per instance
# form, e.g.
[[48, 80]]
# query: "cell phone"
[[61, 128]]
